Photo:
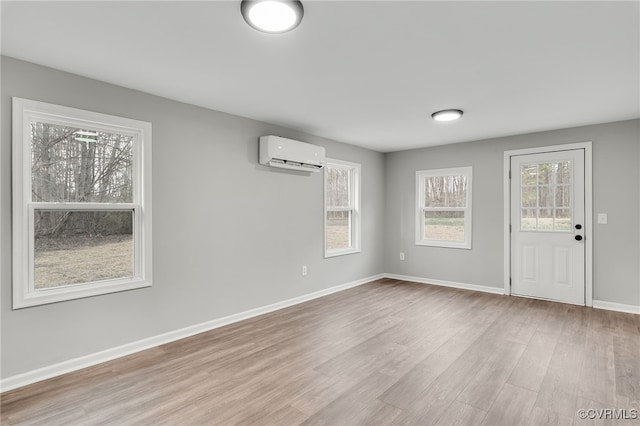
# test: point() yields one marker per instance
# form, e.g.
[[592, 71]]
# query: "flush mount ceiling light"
[[271, 16], [447, 115]]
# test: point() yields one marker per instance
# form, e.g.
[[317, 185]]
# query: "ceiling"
[[369, 73]]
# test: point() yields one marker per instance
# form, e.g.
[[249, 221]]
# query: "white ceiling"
[[366, 73]]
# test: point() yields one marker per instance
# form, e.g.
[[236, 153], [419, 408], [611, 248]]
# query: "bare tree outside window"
[[445, 192], [546, 196], [341, 208], [82, 203], [338, 197], [73, 165], [443, 216]]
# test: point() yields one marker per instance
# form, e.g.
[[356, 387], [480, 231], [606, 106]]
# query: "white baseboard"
[[597, 304], [618, 307], [64, 367], [464, 286]]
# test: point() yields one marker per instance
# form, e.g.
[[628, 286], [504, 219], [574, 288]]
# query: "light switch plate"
[[602, 219]]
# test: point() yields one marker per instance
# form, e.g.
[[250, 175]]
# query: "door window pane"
[[530, 174], [545, 173], [529, 219], [530, 197], [73, 247], [563, 172], [563, 220], [546, 196], [545, 192], [545, 219], [563, 196]]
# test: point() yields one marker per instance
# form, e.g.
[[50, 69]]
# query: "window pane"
[[563, 172], [563, 220], [563, 196], [80, 165], [545, 173], [551, 182], [529, 174], [338, 187], [74, 247], [546, 196], [445, 191], [444, 226], [530, 197], [338, 230], [545, 219], [529, 219]]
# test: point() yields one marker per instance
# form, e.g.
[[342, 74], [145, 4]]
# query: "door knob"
[[578, 226], [578, 237]]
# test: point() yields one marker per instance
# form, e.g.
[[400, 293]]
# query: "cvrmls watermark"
[[608, 413]]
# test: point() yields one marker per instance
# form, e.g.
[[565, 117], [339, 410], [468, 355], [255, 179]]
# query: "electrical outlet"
[[401, 256], [304, 270]]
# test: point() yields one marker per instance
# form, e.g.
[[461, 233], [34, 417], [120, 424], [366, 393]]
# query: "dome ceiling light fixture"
[[447, 115], [272, 16]]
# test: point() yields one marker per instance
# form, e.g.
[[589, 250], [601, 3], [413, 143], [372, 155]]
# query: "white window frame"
[[420, 209], [355, 191], [24, 292]]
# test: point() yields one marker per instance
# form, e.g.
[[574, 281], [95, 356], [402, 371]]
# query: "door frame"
[[588, 213]]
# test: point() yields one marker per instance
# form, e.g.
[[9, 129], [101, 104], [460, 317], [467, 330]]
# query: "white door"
[[547, 226]]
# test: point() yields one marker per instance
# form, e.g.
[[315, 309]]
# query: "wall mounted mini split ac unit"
[[290, 154]]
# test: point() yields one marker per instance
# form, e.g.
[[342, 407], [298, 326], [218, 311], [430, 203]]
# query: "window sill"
[[79, 291], [444, 244], [341, 252]]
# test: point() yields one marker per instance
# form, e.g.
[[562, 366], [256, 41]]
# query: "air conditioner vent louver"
[[312, 166]]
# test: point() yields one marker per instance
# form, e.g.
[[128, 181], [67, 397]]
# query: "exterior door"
[[547, 226]]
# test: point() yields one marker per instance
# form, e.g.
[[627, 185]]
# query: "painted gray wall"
[[228, 234], [616, 250]]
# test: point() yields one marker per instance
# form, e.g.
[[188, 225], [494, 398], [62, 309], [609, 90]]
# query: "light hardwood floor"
[[385, 353]]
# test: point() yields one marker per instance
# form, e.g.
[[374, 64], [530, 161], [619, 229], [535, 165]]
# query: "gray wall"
[[229, 235], [616, 251]]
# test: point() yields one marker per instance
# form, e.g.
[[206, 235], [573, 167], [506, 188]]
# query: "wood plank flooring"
[[385, 353]]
